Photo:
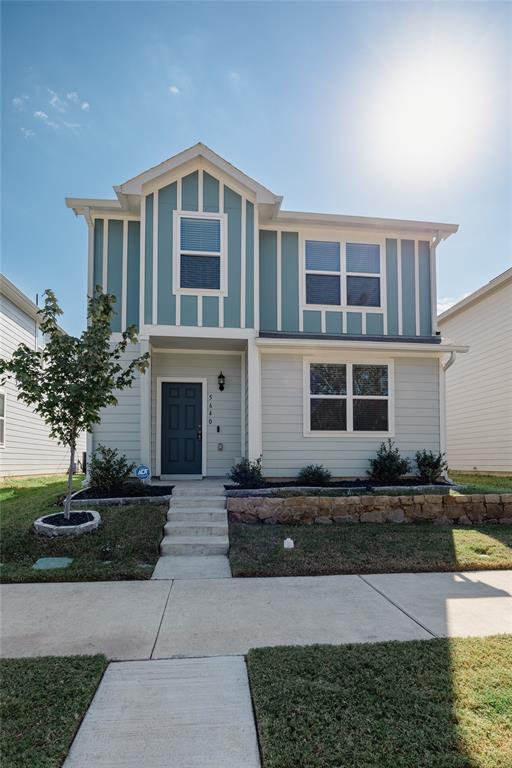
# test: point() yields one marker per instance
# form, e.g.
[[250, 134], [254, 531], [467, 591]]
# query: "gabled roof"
[[20, 299], [128, 200], [480, 293], [134, 186]]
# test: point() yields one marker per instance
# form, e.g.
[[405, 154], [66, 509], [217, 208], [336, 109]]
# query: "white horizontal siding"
[[120, 424], [479, 385], [28, 450], [286, 450], [226, 405]]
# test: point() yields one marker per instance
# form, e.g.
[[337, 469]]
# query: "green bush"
[[109, 470], [314, 474], [247, 474], [388, 466], [430, 465]]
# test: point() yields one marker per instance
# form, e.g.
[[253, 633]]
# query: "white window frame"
[[343, 273], [3, 418], [177, 252], [349, 362]]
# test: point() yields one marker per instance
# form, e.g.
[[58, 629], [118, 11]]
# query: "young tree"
[[70, 379]]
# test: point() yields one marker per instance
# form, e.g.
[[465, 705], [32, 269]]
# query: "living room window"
[[347, 397], [199, 266]]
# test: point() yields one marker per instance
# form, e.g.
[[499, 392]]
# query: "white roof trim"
[[134, 186], [480, 293], [366, 222], [21, 300], [388, 346]]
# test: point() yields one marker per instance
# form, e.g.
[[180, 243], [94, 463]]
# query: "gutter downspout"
[[442, 396], [450, 361], [433, 281]]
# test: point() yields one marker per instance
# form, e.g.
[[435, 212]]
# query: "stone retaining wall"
[[328, 510]]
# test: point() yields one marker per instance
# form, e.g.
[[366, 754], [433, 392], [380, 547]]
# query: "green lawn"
[[257, 550], [43, 703], [482, 483], [423, 704], [125, 547]]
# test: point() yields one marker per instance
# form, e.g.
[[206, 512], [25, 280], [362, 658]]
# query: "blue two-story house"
[[301, 337]]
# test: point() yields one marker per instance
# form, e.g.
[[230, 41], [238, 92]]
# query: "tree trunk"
[[67, 506]]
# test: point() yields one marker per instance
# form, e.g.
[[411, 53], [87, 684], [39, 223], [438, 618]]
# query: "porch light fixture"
[[222, 380]]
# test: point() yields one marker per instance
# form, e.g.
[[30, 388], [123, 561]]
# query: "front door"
[[181, 428]]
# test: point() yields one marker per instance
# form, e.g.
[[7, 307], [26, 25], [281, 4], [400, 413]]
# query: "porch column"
[[145, 410], [254, 438]]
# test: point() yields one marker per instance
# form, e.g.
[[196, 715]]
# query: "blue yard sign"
[[142, 472]]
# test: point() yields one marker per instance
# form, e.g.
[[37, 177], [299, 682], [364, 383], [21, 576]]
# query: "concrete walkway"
[[163, 619], [181, 713]]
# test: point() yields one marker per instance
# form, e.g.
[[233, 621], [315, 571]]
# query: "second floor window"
[[200, 253], [333, 281]]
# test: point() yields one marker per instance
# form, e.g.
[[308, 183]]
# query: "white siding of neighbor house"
[[28, 450], [479, 384], [226, 405], [120, 426], [285, 448]]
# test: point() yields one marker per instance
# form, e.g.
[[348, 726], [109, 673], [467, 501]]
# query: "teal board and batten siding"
[[286, 450], [237, 208], [280, 265], [109, 240]]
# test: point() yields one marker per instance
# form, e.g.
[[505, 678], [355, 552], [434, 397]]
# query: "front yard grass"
[[43, 703], [257, 550], [482, 483], [126, 546], [422, 704]]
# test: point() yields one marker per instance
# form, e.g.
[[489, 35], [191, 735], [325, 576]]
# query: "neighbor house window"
[[2, 419], [348, 397], [323, 272], [363, 275], [200, 248]]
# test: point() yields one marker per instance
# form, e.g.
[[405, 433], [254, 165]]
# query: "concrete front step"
[[194, 545], [196, 529], [193, 515], [216, 490], [205, 502]]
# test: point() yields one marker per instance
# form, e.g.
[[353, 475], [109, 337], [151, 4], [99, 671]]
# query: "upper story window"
[[354, 281], [200, 266]]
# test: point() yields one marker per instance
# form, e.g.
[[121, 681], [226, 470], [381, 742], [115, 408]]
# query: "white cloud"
[[174, 90], [73, 96], [234, 78], [41, 115], [27, 133], [56, 102], [71, 125], [18, 103], [448, 301], [85, 106]]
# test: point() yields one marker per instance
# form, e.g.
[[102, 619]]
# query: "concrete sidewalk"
[[215, 617]]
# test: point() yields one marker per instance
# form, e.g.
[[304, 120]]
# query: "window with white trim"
[[354, 281], [2, 420], [200, 240], [363, 275], [348, 397]]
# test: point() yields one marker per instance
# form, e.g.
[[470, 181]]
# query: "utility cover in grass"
[[47, 563]]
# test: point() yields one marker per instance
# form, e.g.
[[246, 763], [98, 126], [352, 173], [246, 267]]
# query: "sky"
[[384, 109]]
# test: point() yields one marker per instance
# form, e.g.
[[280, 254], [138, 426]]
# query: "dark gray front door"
[[181, 428]]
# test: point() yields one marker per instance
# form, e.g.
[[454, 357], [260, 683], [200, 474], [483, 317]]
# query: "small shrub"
[[430, 465], [314, 474], [388, 466], [247, 474], [108, 470]]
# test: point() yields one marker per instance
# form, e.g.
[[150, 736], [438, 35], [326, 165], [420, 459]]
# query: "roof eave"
[[439, 229]]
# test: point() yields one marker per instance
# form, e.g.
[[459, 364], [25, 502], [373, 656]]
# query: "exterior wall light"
[[222, 380]]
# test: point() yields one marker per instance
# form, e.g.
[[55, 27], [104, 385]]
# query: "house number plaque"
[[210, 409]]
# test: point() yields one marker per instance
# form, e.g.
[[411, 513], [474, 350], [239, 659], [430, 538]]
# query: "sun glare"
[[428, 114]]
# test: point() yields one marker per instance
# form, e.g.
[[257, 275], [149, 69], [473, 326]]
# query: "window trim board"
[[349, 361], [177, 253]]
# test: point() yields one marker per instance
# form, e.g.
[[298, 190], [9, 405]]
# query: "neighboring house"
[[25, 445], [479, 387], [323, 326]]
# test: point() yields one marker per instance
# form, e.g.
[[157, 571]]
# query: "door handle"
[[199, 432]]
